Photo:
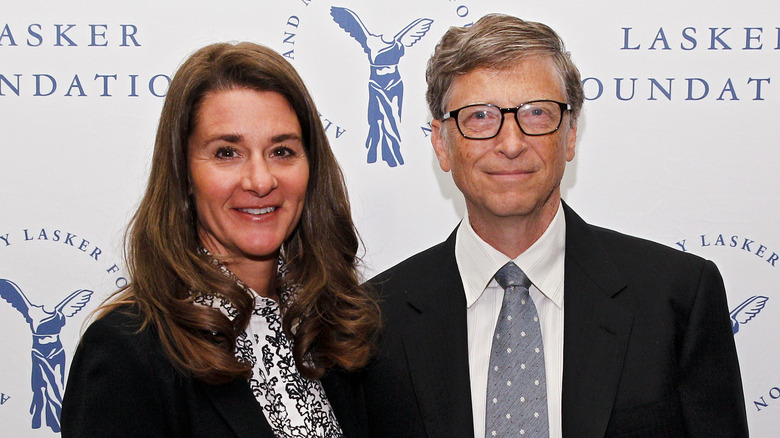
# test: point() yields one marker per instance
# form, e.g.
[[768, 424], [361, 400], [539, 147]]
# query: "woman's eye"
[[282, 151], [225, 152]]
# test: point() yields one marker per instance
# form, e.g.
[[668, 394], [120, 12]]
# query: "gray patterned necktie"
[[517, 389]]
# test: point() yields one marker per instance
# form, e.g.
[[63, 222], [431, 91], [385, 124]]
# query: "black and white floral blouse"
[[294, 406]]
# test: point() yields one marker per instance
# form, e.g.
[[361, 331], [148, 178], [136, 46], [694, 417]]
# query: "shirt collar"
[[286, 291], [543, 262]]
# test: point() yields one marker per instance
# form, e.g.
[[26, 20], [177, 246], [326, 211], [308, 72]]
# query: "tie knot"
[[511, 275]]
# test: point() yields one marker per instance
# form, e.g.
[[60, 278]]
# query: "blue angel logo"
[[48, 355], [385, 87], [747, 311]]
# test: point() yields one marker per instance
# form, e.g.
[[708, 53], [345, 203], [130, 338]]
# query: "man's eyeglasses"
[[482, 121]]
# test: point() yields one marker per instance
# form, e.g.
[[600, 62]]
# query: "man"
[[642, 346]]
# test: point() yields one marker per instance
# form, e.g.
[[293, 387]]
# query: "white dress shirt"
[[543, 264]]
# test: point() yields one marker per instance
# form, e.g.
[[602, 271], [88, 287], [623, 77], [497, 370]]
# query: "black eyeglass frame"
[[454, 115]]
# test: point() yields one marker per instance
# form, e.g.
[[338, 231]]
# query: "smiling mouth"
[[509, 172], [257, 211]]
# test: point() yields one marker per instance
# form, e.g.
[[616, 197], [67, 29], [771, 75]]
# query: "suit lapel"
[[235, 402], [596, 332], [436, 344], [343, 396]]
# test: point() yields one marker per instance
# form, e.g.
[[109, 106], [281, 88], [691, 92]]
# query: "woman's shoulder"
[[121, 383], [124, 322], [121, 336]]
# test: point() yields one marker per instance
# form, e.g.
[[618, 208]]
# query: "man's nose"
[[511, 141]]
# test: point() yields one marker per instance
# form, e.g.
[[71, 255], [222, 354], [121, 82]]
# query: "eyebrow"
[[230, 138], [284, 137], [236, 138]]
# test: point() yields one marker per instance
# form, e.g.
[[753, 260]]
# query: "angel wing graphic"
[[747, 311], [10, 292], [385, 86], [412, 33], [48, 355], [374, 44], [74, 302], [350, 22]]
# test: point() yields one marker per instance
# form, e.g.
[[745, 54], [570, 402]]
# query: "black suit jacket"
[[121, 384], [648, 346]]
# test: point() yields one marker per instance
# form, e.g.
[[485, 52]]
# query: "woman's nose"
[[258, 177]]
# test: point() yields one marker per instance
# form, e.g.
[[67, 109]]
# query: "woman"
[[242, 254]]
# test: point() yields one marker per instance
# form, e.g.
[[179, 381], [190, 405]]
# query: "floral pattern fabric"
[[294, 406]]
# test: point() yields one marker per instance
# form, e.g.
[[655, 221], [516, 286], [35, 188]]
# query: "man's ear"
[[571, 142], [440, 144]]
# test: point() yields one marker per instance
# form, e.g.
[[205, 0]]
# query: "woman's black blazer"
[[121, 385]]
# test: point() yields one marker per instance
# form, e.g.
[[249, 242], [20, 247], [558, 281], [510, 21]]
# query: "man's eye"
[[480, 116], [537, 111]]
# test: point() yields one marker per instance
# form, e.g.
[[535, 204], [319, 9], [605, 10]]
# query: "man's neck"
[[512, 235]]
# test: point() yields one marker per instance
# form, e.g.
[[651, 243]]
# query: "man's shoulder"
[[418, 269], [621, 241], [636, 253], [583, 236]]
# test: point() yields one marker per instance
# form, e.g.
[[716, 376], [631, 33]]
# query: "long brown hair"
[[332, 320]]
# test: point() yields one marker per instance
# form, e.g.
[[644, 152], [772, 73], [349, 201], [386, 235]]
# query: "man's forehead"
[[533, 74], [537, 63]]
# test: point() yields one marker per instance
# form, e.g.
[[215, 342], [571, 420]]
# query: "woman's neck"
[[260, 275]]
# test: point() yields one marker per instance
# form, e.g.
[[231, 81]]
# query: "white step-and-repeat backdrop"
[[678, 143]]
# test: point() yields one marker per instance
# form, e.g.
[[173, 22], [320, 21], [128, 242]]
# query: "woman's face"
[[248, 173]]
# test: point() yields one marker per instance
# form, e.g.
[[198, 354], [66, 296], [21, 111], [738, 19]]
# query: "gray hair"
[[497, 41]]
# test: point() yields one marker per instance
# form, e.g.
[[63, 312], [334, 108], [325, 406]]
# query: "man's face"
[[511, 176]]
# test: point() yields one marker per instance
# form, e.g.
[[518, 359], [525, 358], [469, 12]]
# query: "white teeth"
[[257, 210]]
